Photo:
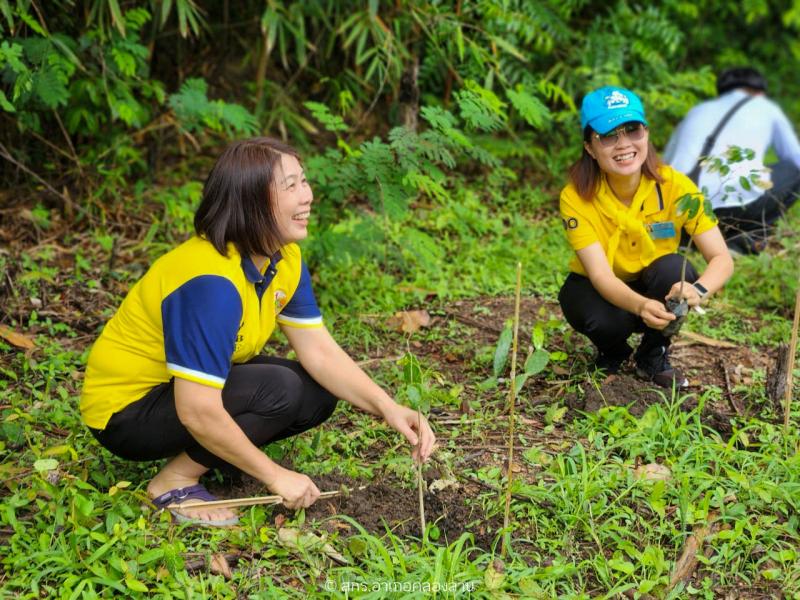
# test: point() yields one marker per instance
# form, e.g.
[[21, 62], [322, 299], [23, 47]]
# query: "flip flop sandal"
[[188, 494]]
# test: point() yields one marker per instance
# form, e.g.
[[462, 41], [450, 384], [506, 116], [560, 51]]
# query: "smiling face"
[[293, 200], [621, 159]]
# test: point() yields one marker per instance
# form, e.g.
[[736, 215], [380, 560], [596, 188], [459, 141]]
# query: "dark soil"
[[706, 362], [385, 504]]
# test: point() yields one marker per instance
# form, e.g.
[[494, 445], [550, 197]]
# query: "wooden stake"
[[512, 396], [419, 479], [792, 352], [237, 502]]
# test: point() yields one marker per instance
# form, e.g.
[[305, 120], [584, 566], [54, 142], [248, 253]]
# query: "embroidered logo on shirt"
[[616, 100], [280, 300], [239, 338]]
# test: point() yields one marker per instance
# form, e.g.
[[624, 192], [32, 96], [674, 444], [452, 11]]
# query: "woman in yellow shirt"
[[621, 216], [178, 373]]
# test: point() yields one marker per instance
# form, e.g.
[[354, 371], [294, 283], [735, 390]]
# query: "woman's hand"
[[655, 315], [334, 370], [689, 293], [414, 427], [296, 489]]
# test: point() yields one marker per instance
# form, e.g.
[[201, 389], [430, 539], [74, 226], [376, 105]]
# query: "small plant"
[[412, 378], [691, 203]]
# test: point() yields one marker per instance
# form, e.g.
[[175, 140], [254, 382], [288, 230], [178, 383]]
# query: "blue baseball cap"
[[609, 107]]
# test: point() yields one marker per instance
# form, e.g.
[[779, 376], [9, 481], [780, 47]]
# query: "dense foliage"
[[103, 88], [102, 94]]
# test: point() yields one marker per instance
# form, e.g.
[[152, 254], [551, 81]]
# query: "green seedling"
[[412, 378], [691, 203]]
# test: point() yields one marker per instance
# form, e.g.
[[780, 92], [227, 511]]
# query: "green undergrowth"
[[74, 522]]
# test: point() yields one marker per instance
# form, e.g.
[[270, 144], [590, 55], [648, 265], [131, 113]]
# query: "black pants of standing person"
[[609, 326], [746, 228], [269, 398]]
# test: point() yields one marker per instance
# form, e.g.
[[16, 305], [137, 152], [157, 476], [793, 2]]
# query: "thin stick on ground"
[[792, 352], [512, 396], [237, 502], [420, 482]]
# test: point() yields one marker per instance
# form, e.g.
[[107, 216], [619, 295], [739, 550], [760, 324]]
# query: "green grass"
[[74, 523]]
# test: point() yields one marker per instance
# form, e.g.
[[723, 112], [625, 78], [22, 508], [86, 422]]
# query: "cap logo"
[[616, 100]]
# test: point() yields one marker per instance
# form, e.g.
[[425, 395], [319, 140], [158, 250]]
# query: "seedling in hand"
[[412, 377], [691, 203]]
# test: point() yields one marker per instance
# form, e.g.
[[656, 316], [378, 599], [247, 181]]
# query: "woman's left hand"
[[689, 293], [414, 427]]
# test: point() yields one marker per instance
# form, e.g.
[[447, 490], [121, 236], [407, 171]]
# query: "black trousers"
[[269, 398], [609, 326], [749, 226]]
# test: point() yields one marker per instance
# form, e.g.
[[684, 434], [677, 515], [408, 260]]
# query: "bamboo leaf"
[[412, 372], [537, 339], [502, 350], [17, 339], [536, 362], [116, 16], [166, 8]]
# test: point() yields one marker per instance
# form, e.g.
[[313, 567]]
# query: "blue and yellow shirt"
[[193, 315]]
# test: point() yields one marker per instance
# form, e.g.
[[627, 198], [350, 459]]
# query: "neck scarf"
[[626, 218]]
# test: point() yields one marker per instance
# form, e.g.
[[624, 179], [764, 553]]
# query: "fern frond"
[[331, 122], [529, 107]]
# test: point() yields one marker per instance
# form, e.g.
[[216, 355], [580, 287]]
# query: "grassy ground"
[[612, 481]]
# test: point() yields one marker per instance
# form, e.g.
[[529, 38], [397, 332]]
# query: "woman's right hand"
[[655, 315], [296, 489]]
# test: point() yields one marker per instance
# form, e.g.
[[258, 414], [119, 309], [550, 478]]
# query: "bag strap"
[[694, 174]]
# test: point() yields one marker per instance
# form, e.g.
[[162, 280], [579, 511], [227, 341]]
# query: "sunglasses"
[[633, 131]]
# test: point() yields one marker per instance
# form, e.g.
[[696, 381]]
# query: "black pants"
[[747, 227], [609, 326], [269, 398]]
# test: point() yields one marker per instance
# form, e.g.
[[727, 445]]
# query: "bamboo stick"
[[792, 352], [237, 502], [512, 396], [420, 483]]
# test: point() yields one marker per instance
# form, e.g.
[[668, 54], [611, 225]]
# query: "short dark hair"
[[238, 198], [739, 77], [584, 174]]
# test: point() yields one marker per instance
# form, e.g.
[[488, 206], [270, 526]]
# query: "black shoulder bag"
[[694, 174]]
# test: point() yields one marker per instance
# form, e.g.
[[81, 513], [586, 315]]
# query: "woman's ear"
[[588, 147]]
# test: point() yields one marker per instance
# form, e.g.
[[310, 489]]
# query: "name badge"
[[662, 231]]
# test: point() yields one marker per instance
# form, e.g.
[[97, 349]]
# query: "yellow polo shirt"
[[193, 314], [586, 222]]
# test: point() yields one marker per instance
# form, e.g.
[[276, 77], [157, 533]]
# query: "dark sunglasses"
[[633, 131]]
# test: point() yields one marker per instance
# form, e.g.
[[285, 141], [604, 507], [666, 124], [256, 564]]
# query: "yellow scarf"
[[627, 219]]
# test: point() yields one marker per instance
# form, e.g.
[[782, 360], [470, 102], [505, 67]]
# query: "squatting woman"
[[621, 216], [177, 372]]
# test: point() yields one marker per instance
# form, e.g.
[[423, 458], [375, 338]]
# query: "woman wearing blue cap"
[[620, 213]]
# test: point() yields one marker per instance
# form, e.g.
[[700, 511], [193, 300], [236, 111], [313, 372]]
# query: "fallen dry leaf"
[[559, 370], [409, 321], [494, 576], [19, 340], [653, 472], [442, 484], [219, 566], [292, 539], [687, 561]]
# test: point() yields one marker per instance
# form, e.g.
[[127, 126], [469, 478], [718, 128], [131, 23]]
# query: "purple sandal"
[[187, 494]]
